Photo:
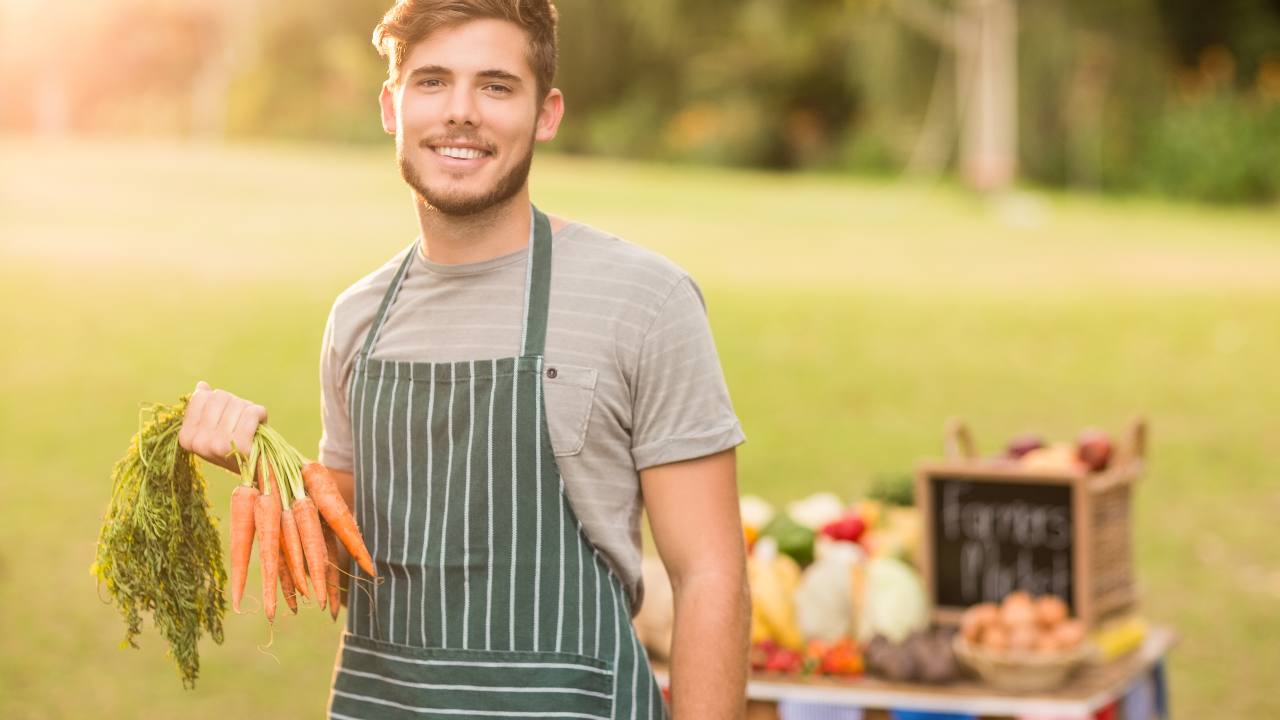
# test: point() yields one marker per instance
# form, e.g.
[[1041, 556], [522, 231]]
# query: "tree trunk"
[[987, 65]]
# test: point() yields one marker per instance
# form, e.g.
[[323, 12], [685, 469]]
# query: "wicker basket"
[[1102, 583], [1022, 671]]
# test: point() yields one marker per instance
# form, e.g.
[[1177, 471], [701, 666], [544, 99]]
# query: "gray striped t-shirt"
[[637, 382]]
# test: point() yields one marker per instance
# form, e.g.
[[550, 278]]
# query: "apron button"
[[551, 373]]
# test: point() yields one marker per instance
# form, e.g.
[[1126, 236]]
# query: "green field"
[[852, 317]]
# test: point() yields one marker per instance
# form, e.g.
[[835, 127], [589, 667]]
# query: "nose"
[[461, 108]]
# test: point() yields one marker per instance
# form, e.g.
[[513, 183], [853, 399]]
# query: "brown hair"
[[409, 21]]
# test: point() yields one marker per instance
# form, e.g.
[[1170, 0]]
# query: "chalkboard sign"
[[991, 529], [991, 538]]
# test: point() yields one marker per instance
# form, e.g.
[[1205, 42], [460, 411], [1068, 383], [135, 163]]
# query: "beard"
[[461, 204]]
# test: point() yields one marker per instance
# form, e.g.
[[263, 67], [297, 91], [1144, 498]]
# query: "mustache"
[[428, 143]]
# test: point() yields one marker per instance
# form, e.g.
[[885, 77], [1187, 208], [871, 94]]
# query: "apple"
[[1094, 449], [1023, 444], [848, 528]]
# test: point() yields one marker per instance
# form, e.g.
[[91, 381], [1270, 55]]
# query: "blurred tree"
[[983, 36], [1108, 94]]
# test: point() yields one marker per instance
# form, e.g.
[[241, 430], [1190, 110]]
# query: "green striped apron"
[[491, 600]]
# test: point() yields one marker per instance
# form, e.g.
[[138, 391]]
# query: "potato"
[[976, 619], [1047, 642], [1023, 637], [994, 637], [1017, 609], [1070, 633], [1050, 610]]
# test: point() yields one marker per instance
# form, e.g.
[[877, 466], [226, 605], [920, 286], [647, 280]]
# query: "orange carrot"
[[266, 517], [286, 586], [324, 491], [332, 580], [291, 547], [243, 499], [312, 539]]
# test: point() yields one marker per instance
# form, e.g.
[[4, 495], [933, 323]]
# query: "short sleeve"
[[335, 438], [682, 408]]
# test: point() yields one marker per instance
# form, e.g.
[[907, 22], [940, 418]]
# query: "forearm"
[[709, 647]]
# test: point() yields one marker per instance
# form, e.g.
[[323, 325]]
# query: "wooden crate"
[[989, 529]]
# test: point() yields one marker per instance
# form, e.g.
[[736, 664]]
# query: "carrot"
[[266, 517], [243, 499], [331, 579], [291, 547], [312, 541], [323, 490], [286, 586]]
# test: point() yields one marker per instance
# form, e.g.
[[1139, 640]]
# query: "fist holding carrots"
[[214, 420]]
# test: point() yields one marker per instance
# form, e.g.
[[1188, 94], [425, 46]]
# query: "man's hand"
[[214, 420]]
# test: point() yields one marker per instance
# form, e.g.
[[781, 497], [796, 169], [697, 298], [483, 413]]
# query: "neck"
[[491, 233]]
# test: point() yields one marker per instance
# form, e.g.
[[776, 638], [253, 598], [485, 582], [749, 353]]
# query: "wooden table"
[[1093, 688]]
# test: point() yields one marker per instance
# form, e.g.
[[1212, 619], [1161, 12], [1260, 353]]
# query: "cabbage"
[[824, 602], [892, 602]]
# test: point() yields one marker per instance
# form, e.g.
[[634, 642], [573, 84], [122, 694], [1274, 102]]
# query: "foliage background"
[[1162, 96]]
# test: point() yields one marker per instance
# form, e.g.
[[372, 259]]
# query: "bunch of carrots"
[[159, 552], [280, 501]]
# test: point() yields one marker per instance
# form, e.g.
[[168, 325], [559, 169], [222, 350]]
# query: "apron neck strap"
[[537, 287], [537, 290]]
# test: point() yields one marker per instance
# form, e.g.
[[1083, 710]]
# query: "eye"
[[500, 89], [428, 82]]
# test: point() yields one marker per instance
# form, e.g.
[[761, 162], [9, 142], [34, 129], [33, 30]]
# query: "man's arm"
[[693, 512]]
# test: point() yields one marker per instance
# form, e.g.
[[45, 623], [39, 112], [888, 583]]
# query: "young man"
[[499, 401]]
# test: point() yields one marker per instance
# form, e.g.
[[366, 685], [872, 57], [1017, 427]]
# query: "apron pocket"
[[378, 679], [570, 394]]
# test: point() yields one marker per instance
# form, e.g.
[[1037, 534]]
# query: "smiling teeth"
[[460, 153]]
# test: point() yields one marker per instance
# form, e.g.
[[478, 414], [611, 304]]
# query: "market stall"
[[996, 587]]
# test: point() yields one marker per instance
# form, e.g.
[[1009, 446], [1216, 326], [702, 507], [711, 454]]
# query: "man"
[[499, 402]]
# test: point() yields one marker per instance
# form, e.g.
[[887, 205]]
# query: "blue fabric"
[[800, 710], [922, 715], [1161, 685], [1140, 702]]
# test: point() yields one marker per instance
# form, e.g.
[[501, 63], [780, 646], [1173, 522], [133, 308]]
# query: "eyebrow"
[[490, 74]]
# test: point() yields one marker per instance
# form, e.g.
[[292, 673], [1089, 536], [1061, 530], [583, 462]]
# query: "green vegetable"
[[794, 540], [159, 550], [893, 489]]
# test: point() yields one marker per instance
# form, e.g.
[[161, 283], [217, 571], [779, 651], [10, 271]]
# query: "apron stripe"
[[560, 608], [466, 512], [581, 611], [616, 643], [488, 605], [389, 668], [444, 520], [391, 494], [357, 423], [515, 396], [537, 463], [452, 711], [474, 688], [541, 665], [431, 432], [595, 565], [408, 501], [366, 589], [375, 606]]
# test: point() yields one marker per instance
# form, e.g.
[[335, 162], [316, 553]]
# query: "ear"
[[387, 99], [549, 115]]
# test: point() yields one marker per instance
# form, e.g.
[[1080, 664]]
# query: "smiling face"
[[466, 115]]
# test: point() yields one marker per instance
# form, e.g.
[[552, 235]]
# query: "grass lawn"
[[852, 317]]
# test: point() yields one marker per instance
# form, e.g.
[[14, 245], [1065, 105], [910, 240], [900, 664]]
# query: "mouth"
[[461, 155]]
